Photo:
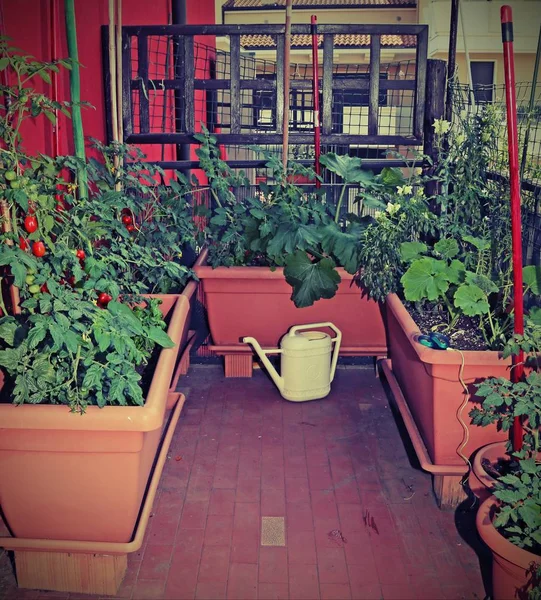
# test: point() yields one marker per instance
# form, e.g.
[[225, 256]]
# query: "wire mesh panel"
[[177, 80], [488, 102]]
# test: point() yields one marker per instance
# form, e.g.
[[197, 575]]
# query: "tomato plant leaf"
[[160, 337]]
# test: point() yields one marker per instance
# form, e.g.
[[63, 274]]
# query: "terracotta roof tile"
[[261, 4], [340, 40]]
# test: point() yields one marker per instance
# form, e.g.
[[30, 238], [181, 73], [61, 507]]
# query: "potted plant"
[[503, 401], [457, 281], [509, 522], [271, 259], [85, 364]]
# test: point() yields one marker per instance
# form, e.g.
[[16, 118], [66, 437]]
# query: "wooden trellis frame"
[[185, 83]]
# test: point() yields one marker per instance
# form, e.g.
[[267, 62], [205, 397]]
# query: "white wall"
[[482, 25]]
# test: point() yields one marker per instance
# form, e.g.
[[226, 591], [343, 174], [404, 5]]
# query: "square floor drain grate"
[[273, 531]]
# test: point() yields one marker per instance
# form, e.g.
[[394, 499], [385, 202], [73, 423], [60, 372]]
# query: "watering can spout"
[[279, 381]]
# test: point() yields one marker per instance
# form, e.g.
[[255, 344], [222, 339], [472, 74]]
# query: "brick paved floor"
[[360, 519]]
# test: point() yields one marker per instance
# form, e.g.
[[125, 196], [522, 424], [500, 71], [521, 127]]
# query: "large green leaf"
[[392, 177], [343, 246], [531, 276], [424, 280], [455, 272], [347, 167], [410, 251], [479, 243], [535, 316], [447, 248], [310, 281], [482, 281], [471, 300]]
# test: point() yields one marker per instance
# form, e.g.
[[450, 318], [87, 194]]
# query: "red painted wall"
[[28, 23]]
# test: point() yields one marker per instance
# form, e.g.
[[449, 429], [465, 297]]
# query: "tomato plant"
[[72, 344]]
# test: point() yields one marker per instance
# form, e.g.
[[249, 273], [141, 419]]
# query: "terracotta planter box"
[[187, 339], [256, 302], [429, 380], [511, 565], [426, 383], [65, 476]]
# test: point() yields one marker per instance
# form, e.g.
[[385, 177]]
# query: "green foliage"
[[406, 219], [63, 349], [20, 101], [83, 337], [503, 400], [445, 277], [519, 514], [282, 225]]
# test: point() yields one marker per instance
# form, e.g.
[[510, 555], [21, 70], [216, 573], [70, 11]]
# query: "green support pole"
[[75, 90]]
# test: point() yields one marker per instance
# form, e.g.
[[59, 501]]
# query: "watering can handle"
[[337, 339], [332, 326]]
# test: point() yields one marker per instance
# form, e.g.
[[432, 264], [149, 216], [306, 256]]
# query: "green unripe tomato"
[[10, 175], [29, 279], [15, 185], [34, 289], [31, 271]]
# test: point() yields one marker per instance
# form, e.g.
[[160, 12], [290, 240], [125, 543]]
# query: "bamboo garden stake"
[[287, 43]]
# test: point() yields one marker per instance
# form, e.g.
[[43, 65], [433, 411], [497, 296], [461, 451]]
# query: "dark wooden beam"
[[142, 74], [267, 29], [328, 50], [373, 96], [247, 139], [236, 111], [420, 88], [189, 76]]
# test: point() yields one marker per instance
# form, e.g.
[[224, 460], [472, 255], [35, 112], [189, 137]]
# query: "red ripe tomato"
[[130, 227], [104, 299], [44, 289], [127, 220], [71, 281], [31, 224], [80, 254], [23, 244], [38, 249]]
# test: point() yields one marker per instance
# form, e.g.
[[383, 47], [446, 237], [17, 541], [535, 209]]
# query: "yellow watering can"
[[306, 366]]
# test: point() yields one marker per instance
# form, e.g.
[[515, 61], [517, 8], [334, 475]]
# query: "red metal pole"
[[512, 140], [315, 78]]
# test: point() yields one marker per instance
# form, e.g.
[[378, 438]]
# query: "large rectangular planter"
[[256, 302], [429, 381], [65, 476]]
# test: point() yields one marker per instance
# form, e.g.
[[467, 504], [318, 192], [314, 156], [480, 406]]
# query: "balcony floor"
[[358, 516]]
